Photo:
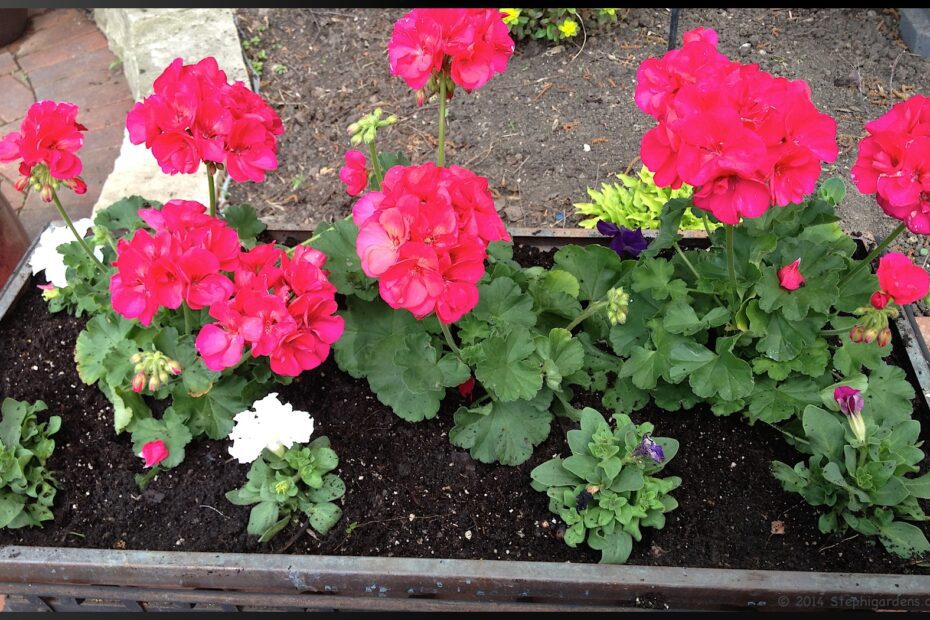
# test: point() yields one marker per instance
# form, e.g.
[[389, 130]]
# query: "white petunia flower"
[[46, 255], [269, 424]]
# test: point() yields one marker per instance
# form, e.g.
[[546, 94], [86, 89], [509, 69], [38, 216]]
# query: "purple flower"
[[849, 399], [626, 242], [647, 447]]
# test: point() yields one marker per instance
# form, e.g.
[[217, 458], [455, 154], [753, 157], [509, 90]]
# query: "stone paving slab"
[[64, 57]]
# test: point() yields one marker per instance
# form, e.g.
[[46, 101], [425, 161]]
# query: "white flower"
[[269, 424], [46, 255]]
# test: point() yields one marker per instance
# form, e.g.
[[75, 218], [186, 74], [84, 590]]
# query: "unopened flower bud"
[[356, 139], [421, 97], [855, 334], [869, 335], [21, 184], [618, 302], [138, 382], [136, 358], [879, 299], [154, 384], [45, 193], [353, 129], [163, 376], [173, 367], [883, 337], [390, 120]]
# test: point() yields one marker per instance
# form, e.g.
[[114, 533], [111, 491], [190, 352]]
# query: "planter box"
[[60, 579]]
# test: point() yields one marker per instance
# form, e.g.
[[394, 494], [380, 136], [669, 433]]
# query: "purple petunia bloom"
[[626, 242], [849, 400], [647, 447]]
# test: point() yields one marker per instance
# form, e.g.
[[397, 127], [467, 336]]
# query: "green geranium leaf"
[[655, 276], [337, 241], [504, 305], [776, 402], [889, 396], [852, 357], [817, 294], [197, 378], [212, 413], [123, 215], [103, 350], [726, 376], [244, 219], [127, 405], [171, 429], [781, 339], [685, 358], [424, 378], [597, 269], [509, 369], [503, 432], [669, 224], [556, 293], [645, 366], [561, 354]]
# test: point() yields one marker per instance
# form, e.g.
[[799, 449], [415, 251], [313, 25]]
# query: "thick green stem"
[[872, 255], [64, 216], [450, 340], [212, 189], [731, 264], [187, 318], [706, 224], [441, 156], [375, 163], [591, 309]]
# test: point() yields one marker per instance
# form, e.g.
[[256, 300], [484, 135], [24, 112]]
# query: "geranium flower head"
[[46, 145], [354, 174], [269, 424], [902, 279], [194, 115]]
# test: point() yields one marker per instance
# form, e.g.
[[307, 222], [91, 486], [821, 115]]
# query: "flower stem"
[[731, 265], [64, 216], [212, 189], [441, 155], [187, 318], [450, 340], [591, 309], [687, 262], [786, 433], [706, 224], [376, 163], [872, 255]]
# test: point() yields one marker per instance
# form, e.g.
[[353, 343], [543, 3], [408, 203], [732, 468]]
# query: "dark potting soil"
[[409, 492]]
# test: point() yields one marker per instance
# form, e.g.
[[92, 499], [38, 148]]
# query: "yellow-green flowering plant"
[[555, 24]]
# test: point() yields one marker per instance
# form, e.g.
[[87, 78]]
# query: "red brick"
[[64, 81], [109, 114], [36, 214], [43, 34], [16, 98], [7, 63], [69, 51], [104, 138], [14, 197], [98, 164], [9, 171], [47, 18]]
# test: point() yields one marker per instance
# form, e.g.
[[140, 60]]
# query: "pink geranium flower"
[[790, 277], [354, 174], [154, 452], [902, 279]]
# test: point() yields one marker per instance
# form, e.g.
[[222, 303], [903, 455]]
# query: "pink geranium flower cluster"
[[744, 138], [195, 115], [894, 163], [425, 236], [283, 308], [48, 136], [472, 44], [180, 263]]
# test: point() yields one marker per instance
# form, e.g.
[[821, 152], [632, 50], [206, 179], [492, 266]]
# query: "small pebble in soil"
[[467, 534]]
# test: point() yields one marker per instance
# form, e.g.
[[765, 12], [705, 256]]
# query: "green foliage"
[[606, 492], [297, 481], [635, 202], [862, 485], [27, 488], [244, 219], [550, 24]]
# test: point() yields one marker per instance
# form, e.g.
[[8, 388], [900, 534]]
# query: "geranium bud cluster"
[[463, 47], [900, 281], [894, 163], [46, 146], [152, 369], [425, 236], [283, 307], [366, 128], [194, 115], [182, 262], [618, 303], [744, 138]]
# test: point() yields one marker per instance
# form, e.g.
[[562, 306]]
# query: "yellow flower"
[[510, 15], [568, 28]]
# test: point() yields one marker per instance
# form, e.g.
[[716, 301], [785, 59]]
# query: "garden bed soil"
[[527, 130], [409, 492]]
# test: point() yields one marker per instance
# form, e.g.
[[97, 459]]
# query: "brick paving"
[[64, 57]]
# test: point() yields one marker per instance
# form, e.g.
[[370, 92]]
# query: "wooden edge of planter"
[[353, 582], [481, 580]]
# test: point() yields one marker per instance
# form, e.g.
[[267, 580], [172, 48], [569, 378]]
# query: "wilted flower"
[[789, 276], [647, 447], [626, 242], [850, 402], [154, 452], [268, 424]]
